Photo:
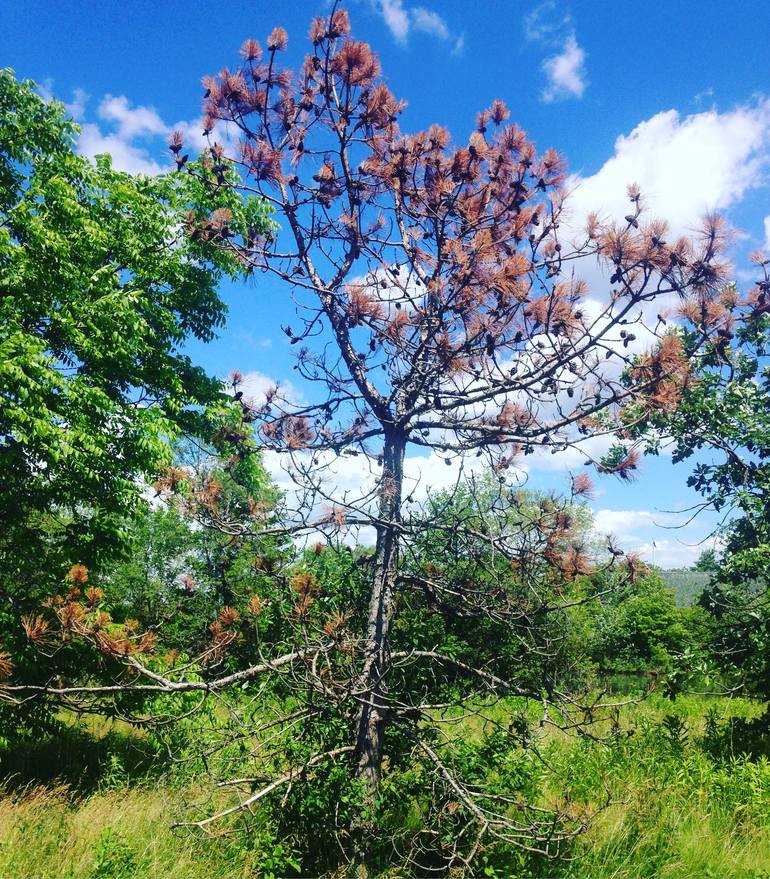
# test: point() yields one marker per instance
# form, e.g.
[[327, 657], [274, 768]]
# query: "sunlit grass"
[[123, 833], [676, 811]]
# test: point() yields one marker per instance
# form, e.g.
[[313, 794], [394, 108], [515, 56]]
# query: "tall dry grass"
[[123, 833]]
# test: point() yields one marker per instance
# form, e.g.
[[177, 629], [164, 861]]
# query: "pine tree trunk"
[[372, 681]]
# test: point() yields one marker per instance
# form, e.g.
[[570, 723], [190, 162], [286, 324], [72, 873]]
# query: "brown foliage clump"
[[78, 575]]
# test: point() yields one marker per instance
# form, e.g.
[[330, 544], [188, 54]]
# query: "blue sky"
[[674, 96]]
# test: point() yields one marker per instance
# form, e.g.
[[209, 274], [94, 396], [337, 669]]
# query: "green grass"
[[676, 812], [681, 805], [122, 833]]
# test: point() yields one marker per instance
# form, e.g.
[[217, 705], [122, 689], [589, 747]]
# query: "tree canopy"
[[100, 292], [722, 423]]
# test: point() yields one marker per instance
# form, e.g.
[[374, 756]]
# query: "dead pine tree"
[[439, 275]]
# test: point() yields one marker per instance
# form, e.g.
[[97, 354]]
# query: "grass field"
[[685, 803]]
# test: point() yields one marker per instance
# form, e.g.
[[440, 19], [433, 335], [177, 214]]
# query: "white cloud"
[[401, 21], [125, 125], [566, 72], [668, 554], [550, 25], [77, 106], [226, 133], [434, 472], [625, 523], [125, 155], [640, 531], [350, 481], [396, 18], [130, 135], [430, 23], [135, 136], [767, 233], [255, 386], [546, 23], [572, 458], [132, 122], [45, 90], [685, 166]]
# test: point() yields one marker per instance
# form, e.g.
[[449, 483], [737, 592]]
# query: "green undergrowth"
[[680, 789]]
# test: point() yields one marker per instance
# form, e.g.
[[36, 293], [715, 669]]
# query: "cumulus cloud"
[[132, 122], [126, 156], [255, 386], [668, 554], [566, 73], [131, 135], [401, 21], [685, 166], [428, 474], [128, 133], [226, 133], [135, 135], [623, 524], [350, 481], [557, 460]]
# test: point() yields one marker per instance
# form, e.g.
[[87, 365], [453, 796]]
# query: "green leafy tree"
[[722, 423], [640, 628], [706, 562], [179, 574], [461, 545], [100, 294], [101, 290]]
